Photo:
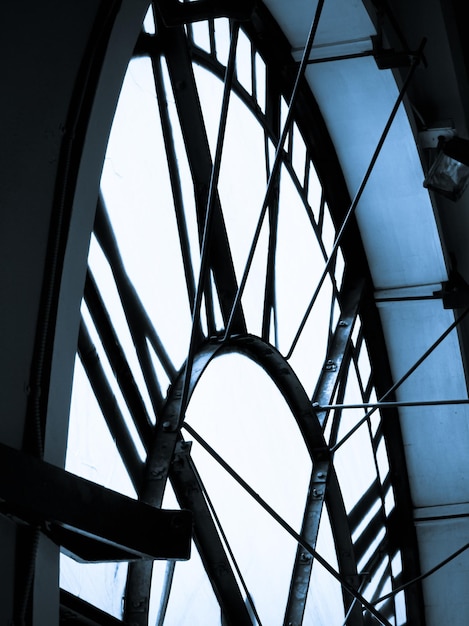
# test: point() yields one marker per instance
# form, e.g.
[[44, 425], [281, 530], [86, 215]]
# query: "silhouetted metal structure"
[[343, 362]]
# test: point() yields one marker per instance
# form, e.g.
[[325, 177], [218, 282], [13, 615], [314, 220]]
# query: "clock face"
[[220, 322]]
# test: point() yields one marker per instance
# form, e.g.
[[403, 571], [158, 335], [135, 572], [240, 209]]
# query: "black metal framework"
[[374, 547]]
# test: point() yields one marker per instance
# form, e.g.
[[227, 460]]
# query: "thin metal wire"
[[138, 320], [174, 176], [168, 582], [408, 298], [403, 378], [275, 166], [431, 571], [227, 545], [388, 405], [342, 57], [230, 68], [308, 547], [358, 195], [354, 601]]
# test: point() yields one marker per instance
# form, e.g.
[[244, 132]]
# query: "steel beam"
[[66, 506]]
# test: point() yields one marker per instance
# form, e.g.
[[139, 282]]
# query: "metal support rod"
[[317, 231], [208, 214], [140, 326], [428, 573], [408, 299], [181, 55], [387, 405], [249, 600], [338, 349], [327, 566], [270, 303], [109, 406], [276, 164], [401, 380], [117, 359], [341, 57], [303, 564], [190, 493], [354, 602], [175, 177], [359, 193]]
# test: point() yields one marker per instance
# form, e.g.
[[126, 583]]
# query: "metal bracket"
[[454, 292], [389, 58]]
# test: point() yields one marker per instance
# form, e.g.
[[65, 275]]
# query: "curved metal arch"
[[163, 455]]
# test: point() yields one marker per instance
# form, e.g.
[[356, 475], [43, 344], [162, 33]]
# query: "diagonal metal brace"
[[91, 522]]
